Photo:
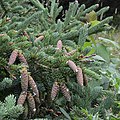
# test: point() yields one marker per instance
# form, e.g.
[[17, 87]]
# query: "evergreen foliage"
[[44, 45], [8, 109]]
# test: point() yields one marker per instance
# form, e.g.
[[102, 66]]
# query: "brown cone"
[[72, 65], [37, 100], [33, 85], [22, 59], [13, 57], [22, 98], [26, 111], [85, 80], [79, 76], [31, 103], [55, 90], [65, 92], [24, 79]]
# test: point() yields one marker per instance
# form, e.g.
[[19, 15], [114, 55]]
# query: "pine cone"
[[22, 58], [39, 38], [55, 90], [26, 111], [33, 85], [22, 98], [79, 76], [31, 103], [85, 81], [24, 79], [37, 100], [59, 45], [72, 65], [65, 92], [13, 57], [70, 53]]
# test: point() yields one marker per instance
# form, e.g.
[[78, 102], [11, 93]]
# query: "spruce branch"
[[100, 25], [5, 10], [102, 11], [37, 4], [29, 20]]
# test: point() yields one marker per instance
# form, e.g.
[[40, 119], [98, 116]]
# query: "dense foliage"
[[57, 69]]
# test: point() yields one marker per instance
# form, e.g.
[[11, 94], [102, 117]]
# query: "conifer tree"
[[38, 50]]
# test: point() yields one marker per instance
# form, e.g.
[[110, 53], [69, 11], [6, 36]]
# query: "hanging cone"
[[37, 100], [26, 111], [72, 65], [33, 85], [22, 98], [22, 58], [24, 79], [59, 44], [85, 81], [55, 90], [13, 57], [65, 91], [31, 103], [79, 76]]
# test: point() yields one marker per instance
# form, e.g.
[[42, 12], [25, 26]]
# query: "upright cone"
[[59, 45]]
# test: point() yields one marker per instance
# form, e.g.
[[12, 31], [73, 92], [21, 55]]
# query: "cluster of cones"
[[79, 73], [81, 79], [79, 76], [17, 53], [30, 96], [60, 87]]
